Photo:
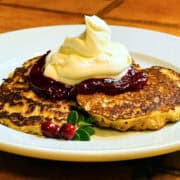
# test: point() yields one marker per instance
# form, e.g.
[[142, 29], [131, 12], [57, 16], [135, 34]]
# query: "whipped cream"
[[91, 55]]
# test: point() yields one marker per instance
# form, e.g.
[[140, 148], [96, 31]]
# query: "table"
[[156, 15]]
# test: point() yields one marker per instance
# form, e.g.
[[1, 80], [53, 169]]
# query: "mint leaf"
[[76, 137], [90, 119], [81, 117], [83, 123], [85, 120], [72, 117], [84, 136], [88, 129]]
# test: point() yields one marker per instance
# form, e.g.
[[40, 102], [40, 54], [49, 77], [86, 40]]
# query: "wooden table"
[[157, 15]]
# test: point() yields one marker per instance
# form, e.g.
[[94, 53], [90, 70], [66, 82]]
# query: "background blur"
[[160, 15]]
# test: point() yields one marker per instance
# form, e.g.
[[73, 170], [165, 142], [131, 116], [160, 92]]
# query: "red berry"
[[49, 129], [68, 131]]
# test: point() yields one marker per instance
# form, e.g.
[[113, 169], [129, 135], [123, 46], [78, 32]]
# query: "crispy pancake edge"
[[153, 119], [23, 110]]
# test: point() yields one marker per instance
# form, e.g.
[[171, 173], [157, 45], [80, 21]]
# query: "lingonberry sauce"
[[54, 90]]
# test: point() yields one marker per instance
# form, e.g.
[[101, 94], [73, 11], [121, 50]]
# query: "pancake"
[[147, 109], [22, 109]]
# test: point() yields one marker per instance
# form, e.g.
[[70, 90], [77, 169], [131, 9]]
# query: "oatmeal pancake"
[[151, 107], [22, 109]]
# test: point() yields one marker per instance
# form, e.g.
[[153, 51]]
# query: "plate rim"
[[90, 156], [81, 25]]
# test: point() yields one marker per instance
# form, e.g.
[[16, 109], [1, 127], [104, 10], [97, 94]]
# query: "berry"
[[49, 129], [68, 131]]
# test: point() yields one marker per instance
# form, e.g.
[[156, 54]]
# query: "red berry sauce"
[[54, 90]]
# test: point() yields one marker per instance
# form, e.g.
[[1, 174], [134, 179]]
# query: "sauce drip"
[[54, 90]]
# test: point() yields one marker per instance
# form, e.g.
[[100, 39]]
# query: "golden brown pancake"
[[22, 109], [149, 108]]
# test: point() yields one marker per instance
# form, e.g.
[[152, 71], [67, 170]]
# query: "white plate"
[[148, 48]]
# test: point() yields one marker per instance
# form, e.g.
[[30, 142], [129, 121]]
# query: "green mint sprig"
[[83, 123]]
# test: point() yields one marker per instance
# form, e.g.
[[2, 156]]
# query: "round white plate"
[[147, 47]]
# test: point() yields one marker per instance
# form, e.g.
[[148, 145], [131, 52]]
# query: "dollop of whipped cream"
[[91, 55]]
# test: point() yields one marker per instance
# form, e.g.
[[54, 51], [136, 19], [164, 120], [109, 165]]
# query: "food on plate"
[[89, 80], [151, 107], [22, 109], [90, 55]]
